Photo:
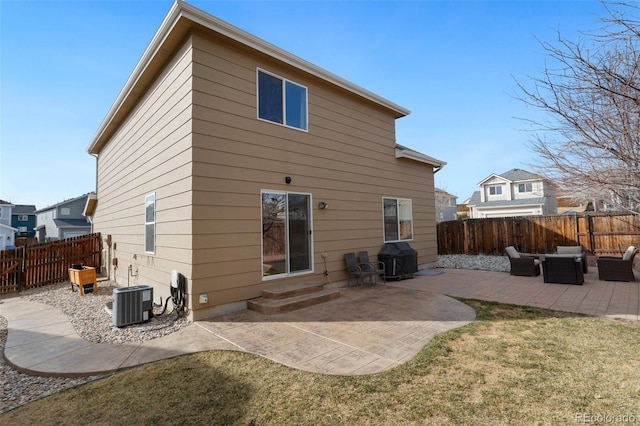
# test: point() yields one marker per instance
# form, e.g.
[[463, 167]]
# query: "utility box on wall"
[[132, 305]]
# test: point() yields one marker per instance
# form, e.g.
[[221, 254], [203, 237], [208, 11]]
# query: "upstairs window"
[[282, 101], [495, 190], [65, 211], [23, 218], [525, 187], [398, 219]]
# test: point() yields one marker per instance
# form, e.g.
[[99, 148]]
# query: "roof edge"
[[404, 152], [181, 9]]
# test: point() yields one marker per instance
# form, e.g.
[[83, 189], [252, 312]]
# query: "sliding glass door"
[[286, 233]]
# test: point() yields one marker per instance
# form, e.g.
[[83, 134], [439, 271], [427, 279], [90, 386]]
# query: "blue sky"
[[452, 63]]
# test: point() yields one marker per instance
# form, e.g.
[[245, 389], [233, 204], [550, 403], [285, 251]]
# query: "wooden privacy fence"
[[600, 234], [48, 263]]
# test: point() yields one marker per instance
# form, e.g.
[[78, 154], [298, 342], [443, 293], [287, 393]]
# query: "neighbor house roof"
[[443, 192], [513, 175], [180, 20], [5, 203], [53, 206], [71, 223], [519, 175], [24, 209]]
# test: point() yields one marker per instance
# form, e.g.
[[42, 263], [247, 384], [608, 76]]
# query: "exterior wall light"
[[322, 205]]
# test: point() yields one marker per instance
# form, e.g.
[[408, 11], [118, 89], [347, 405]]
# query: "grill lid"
[[397, 249]]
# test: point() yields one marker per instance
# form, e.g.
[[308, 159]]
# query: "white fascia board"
[[11, 228], [404, 152], [160, 35], [491, 176]]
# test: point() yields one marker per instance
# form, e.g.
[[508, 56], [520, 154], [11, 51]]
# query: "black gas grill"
[[400, 260]]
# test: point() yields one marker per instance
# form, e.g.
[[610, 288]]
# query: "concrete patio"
[[611, 299], [365, 331]]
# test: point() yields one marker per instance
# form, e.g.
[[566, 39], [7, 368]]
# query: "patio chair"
[[617, 268], [355, 269], [523, 265], [374, 268]]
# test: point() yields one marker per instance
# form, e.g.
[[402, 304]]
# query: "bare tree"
[[590, 89]]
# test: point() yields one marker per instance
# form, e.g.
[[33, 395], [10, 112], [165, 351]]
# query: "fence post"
[[22, 274]]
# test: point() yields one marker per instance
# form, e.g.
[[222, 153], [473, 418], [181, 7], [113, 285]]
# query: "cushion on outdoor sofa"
[[512, 252], [629, 253], [569, 250]]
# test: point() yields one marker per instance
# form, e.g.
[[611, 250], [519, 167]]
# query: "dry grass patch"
[[514, 365]]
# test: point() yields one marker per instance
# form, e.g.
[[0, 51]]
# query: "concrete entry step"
[[286, 291], [270, 306]]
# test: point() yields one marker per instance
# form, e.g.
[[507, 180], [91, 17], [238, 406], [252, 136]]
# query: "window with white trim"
[[23, 218], [281, 101], [150, 223], [525, 187], [65, 211], [398, 219], [495, 190]]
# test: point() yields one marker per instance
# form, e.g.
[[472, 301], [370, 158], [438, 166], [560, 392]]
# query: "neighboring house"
[[242, 167], [62, 220], [446, 206], [7, 232], [516, 192], [23, 218]]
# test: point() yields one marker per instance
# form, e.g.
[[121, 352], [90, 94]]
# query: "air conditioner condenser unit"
[[132, 305]]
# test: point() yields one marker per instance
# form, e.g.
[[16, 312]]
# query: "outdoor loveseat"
[[562, 269], [574, 251]]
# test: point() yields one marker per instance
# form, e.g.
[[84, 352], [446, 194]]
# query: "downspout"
[[96, 187]]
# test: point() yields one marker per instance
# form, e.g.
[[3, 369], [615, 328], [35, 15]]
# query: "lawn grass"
[[513, 365]]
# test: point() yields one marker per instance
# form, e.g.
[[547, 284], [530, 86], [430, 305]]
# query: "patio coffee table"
[[562, 269]]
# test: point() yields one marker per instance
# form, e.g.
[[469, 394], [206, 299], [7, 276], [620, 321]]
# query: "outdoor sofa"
[[562, 269]]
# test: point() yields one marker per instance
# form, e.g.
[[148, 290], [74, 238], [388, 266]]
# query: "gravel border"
[[479, 262], [92, 322]]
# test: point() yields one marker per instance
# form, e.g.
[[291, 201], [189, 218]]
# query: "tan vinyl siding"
[[346, 159], [151, 153], [194, 140]]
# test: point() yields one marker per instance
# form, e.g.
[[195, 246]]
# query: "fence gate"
[[11, 270]]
